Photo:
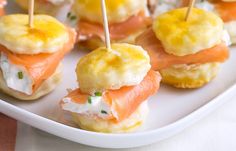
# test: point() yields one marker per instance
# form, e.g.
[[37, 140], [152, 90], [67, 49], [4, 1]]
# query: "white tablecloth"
[[216, 132]]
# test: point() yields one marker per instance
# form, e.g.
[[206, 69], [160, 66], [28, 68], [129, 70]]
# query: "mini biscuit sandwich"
[[3, 3], [30, 57], [226, 10], [127, 19], [187, 53], [114, 88], [56, 8]]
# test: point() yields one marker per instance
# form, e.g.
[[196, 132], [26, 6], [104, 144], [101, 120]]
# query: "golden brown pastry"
[[127, 19], [29, 57], [187, 53], [114, 86]]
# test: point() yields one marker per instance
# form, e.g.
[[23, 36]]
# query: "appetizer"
[[127, 19], [30, 57], [56, 8], [2, 5], [114, 88], [226, 10], [187, 53]]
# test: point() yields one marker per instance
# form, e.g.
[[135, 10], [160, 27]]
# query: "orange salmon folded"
[[226, 10], [2, 12], [41, 66], [125, 100], [161, 60], [118, 31]]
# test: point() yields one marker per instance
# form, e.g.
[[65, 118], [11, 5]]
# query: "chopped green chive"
[[98, 94], [20, 75], [89, 100], [103, 112], [68, 14], [73, 17]]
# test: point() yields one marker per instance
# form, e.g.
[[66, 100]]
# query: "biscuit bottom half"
[[106, 126], [190, 76], [46, 87]]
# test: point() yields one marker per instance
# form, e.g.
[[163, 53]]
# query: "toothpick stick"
[[31, 13], [105, 25], [189, 9]]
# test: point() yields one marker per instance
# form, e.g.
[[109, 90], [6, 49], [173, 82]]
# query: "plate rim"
[[163, 132]]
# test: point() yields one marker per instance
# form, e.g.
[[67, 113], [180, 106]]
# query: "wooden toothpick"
[[31, 13], [191, 4], [105, 25]]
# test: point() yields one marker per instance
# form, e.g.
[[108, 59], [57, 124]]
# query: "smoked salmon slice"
[[118, 31], [226, 10], [2, 12], [161, 60], [41, 66], [125, 100]]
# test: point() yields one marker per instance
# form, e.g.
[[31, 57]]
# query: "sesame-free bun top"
[[124, 65], [179, 37], [47, 35], [117, 10]]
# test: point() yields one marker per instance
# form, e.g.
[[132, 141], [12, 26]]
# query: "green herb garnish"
[[98, 93], [103, 112], [68, 15], [73, 17], [89, 100], [20, 75]]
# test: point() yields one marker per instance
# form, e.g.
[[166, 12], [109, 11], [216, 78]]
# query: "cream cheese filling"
[[15, 76], [95, 106]]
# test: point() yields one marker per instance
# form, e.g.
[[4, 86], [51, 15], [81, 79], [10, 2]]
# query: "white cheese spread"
[[15, 76], [96, 106]]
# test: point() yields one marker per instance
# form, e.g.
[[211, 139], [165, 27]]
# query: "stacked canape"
[[56, 8], [127, 19], [114, 87], [225, 9], [30, 57], [187, 53]]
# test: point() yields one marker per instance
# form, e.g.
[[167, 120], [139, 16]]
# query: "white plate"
[[171, 110]]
